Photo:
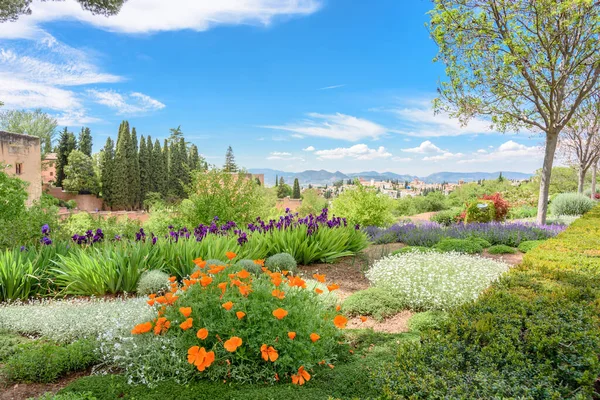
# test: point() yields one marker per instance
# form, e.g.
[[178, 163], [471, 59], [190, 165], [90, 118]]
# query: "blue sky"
[[289, 84]]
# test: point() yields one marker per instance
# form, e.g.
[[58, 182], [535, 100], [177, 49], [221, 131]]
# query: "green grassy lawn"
[[352, 379]]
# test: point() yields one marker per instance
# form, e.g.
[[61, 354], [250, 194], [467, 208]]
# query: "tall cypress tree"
[[166, 158], [194, 158], [66, 144], [150, 155], [230, 165], [134, 171], [121, 188], [276, 180], [144, 162], [158, 181], [84, 143], [296, 189], [107, 159]]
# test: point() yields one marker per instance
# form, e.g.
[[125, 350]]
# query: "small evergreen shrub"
[[427, 320], [480, 211], [481, 241], [501, 206], [409, 249], [466, 246], [376, 302], [46, 362], [282, 262], [571, 204], [152, 282], [446, 217], [250, 266], [502, 249], [529, 245]]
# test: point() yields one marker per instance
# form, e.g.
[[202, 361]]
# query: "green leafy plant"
[[409, 249], [571, 204], [376, 302], [459, 245], [18, 277], [446, 217], [528, 245], [282, 262], [480, 211], [427, 320], [502, 249], [364, 206], [152, 282]]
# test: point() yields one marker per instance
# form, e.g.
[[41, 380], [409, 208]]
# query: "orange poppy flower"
[[260, 262], [151, 302], [231, 276], [142, 328], [236, 282], [232, 344], [223, 287], [318, 291], [338, 308], [292, 335], [162, 325], [152, 296], [172, 279], [168, 298], [240, 314], [296, 281], [314, 337], [285, 272], [301, 378], [243, 274], [187, 324], [280, 294], [320, 278], [331, 366], [195, 274], [186, 311], [202, 333], [228, 305], [363, 318], [201, 358], [205, 281], [200, 262], [244, 290], [265, 270], [280, 313], [269, 353], [340, 321], [231, 255], [215, 269], [333, 287], [276, 279]]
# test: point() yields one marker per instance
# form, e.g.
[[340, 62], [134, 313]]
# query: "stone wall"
[[287, 202], [22, 153], [85, 202]]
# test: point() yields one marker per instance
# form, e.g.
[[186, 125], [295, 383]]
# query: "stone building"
[[49, 168], [22, 154]]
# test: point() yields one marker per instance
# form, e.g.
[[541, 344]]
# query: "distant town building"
[[23, 155], [49, 168]]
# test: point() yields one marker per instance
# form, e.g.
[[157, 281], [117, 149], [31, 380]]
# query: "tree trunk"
[[580, 181], [551, 142], [594, 169]]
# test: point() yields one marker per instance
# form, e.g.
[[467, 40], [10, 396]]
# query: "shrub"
[[430, 280], [152, 282], [447, 217], [233, 327], [459, 245], [281, 262], [46, 362], [68, 396], [376, 302], [250, 266], [9, 344], [527, 246], [480, 211], [409, 249], [481, 242], [501, 206], [18, 277], [510, 343], [427, 320], [502, 249], [364, 206], [522, 212], [571, 204]]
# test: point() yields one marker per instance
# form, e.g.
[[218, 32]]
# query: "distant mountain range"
[[323, 177]]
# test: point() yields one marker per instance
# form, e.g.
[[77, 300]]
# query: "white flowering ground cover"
[[69, 320], [435, 281]]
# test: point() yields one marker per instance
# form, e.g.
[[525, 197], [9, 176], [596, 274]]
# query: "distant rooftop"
[[17, 136], [51, 156]]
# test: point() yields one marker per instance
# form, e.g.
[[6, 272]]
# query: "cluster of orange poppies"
[[199, 356]]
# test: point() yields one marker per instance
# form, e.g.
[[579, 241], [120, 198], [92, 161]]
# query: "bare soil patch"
[[395, 324], [424, 217], [23, 391], [511, 259]]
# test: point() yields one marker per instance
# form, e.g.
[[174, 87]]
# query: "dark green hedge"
[[534, 334]]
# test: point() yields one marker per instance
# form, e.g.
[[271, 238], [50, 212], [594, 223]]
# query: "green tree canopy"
[[79, 174], [34, 123], [519, 63], [84, 142], [364, 206], [66, 144], [230, 165], [296, 189], [12, 195], [107, 160]]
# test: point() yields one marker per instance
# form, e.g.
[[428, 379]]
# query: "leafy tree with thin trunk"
[[34, 123], [66, 144], [84, 143], [80, 176], [296, 189], [579, 142], [107, 160], [519, 63], [230, 165]]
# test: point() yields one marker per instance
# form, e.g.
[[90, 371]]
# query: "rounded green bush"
[[214, 261], [529, 245], [571, 204], [152, 282], [502, 249], [459, 245], [282, 262], [446, 217], [250, 266], [409, 249], [480, 211], [376, 302], [427, 320], [481, 241]]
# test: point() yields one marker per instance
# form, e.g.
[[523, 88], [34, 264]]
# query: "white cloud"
[[309, 148], [149, 16], [358, 152], [280, 153], [444, 157], [401, 159], [510, 151], [134, 103], [424, 148], [332, 87], [334, 126]]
